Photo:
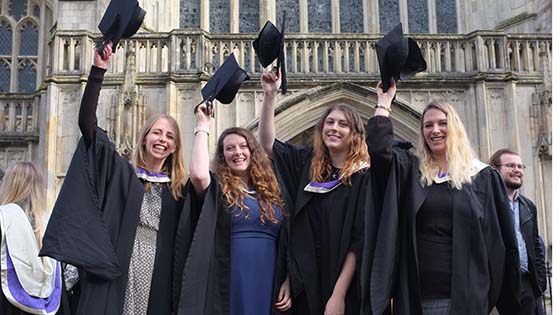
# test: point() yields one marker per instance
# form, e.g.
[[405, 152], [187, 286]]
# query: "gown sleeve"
[[76, 232]]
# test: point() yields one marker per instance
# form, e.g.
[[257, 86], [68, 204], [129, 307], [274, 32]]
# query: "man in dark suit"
[[531, 252]]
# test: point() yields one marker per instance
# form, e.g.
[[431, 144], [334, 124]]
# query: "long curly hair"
[[174, 165], [459, 152], [261, 178], [321, 165], [23, 185]]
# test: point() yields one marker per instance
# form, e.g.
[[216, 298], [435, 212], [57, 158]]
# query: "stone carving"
[[543, 108]]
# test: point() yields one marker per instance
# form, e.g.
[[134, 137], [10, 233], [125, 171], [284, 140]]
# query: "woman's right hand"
[[100, 62], [204, 114], [385, 98], [270, 81]]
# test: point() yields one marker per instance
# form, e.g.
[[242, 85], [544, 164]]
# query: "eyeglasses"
[[513, 165]]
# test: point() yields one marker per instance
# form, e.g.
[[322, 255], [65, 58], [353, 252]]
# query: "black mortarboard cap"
[[121, 20], [269, 46], [225, 82], [398, 57]]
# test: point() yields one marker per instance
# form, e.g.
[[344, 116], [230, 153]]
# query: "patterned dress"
[[144, 251]]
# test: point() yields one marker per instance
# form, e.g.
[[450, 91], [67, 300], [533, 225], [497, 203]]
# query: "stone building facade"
[[490, 59]]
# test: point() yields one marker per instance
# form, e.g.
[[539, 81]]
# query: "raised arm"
[[270, 81], [87, 119], [200, 160], [380, 135]]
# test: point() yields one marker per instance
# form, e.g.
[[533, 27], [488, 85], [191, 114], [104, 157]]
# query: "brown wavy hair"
[[174, 165], [261, 177], [321, 165]]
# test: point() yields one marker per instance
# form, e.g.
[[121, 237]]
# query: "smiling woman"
[[326, 184], [129, 210], [441, 212], [241, 222]]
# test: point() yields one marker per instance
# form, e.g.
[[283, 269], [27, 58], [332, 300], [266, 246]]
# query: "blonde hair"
[[261, 177], [458, 149], [173, 165], [23, 185], [321, 169]]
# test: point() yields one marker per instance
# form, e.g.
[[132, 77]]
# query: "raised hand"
[[270, 81], [98, 61]]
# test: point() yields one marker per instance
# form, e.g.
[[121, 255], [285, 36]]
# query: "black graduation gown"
[[310, 287], [484, 249], [93, 226], [202, 269]]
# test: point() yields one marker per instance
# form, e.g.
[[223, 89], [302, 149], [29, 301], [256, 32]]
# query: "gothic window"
[[28, 39], [389, 14], [418, 16], [351, 16], [5, 38], [4, 76], [292, 15], [219, 16], [190, 13], [319, 15], [248, 16], [18, 8], [27, 74], [446, 12]]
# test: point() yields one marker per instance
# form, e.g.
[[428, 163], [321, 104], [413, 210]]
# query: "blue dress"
[[253, 260]]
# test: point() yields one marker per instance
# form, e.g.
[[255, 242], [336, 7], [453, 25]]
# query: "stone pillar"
[[234, 16], [303, 28], [371, 16], [267, 11], [335, 16], [432, 17], [403, 9], [205, 15]]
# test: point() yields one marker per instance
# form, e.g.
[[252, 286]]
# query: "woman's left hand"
[[335, 306], [284, 298]]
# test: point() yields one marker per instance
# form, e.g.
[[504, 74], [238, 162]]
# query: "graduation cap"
[[398, 57], [269, 46], [121, 20], [225, 83]]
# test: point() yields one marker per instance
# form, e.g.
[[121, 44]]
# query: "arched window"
[[4, 76], [5, 38], [18, 9], [29, 37], [27, 76], [19, 37]]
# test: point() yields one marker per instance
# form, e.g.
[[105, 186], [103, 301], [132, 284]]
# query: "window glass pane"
[[351, 16], [418, 16], [4, 77], [29, 39], [219, 16], [190, 13], [248, 16], [27, 77], [389, 15], [292, 15], [18, 9], [319, 15], [5, 38], [446, 12]]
